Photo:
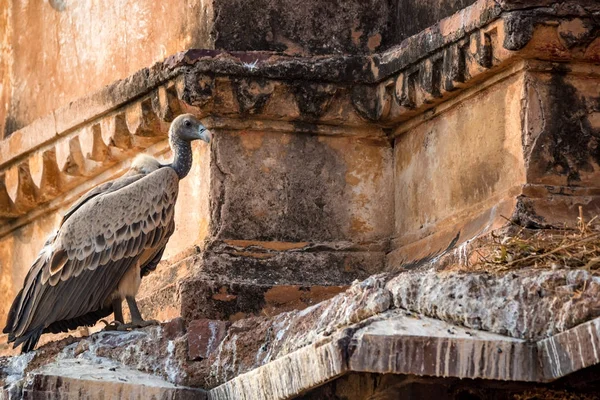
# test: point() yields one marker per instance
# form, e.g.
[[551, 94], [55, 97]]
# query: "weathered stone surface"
[[147, 350], [202, 297], [156, 351], [434, 191], [274, 186], [311, 367], [527, 175], [174, 328], [580, 343], [529, 304], [351, 27], [128, 37], [204, 336], [91, 379], [302, 28], [408, 344], [253, 342], [563, 125], [390, 342], [302, 264]]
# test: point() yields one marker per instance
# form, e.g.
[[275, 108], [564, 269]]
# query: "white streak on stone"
[[593, 337], [583, 363], [556, 356], [170, 366], [16, 367]]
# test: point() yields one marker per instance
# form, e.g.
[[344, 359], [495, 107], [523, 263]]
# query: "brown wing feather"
[[104, 188], [106, 234]]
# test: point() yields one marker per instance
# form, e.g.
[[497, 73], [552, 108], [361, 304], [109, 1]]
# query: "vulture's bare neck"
[[182, 156]]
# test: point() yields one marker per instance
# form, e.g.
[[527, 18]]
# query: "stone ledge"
[[497, 338], [397, 342], [81, 378], [365, 330], [571, 351], [288, 376], [424, 346]]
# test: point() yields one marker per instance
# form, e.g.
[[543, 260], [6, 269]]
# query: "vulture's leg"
[[136, 317], [118, 312]]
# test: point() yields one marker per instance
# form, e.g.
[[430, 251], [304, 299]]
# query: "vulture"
[[106, 242]]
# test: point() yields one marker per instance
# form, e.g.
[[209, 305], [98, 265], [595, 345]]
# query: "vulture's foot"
[[145, 323], [137, 324]]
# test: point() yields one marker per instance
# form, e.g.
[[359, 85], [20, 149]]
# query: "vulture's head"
[[186, 127]]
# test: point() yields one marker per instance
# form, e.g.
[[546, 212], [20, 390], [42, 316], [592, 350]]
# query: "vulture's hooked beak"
[[204, 134]]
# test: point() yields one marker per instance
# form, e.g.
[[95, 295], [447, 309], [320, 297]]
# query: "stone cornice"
[[338, 95]]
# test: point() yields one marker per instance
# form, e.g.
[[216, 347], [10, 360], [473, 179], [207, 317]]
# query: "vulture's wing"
[[104, 188], [100, 239]]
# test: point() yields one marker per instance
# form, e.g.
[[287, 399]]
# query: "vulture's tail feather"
[[18, 314], [29, 340], [10, 319], [88, 319]]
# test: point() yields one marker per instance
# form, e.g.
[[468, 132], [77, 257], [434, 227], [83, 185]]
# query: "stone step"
[[314, 264], [198, 297], [229, 286], [74, 379], [202, 297]]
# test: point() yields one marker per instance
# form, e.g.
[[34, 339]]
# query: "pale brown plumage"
[[112, 236]]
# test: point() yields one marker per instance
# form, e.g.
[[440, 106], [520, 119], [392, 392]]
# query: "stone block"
[[204, 336], [562, 124], [529, 303], [77, 379], [174, 328], [449, 168], [271, 186], [307, 265], [202, 297], [356, 27]]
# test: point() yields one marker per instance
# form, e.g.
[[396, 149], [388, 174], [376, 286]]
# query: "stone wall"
[[57, 51], [318, 27]]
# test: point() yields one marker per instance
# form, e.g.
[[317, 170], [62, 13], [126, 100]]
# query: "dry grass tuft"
[[569, 248], [547, 394]]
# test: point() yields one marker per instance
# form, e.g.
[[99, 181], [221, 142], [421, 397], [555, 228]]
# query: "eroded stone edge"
[[288, 376], [570, 351], [459, 352]]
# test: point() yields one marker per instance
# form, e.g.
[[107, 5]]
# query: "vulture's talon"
[[125, 327], [113, 326]]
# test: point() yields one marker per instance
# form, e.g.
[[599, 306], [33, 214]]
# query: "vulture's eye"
[[187, 123]]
